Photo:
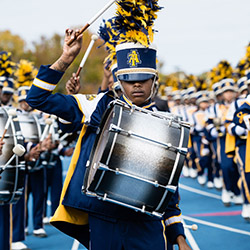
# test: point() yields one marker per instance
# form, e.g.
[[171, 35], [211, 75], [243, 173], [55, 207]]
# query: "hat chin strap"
[[152, 92], [153, 89]]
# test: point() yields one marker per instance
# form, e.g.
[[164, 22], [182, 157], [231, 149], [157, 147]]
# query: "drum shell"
[[12, 184], [30, 127], [12, 178], [140, 159]]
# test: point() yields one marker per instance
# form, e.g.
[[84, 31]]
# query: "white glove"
[[198, 127], [204, 141], [222, 129], [214, 132], [240, 131], [205, 151]]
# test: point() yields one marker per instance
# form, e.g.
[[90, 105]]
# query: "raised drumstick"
[[18, 150], [11, 113], [93, 39], [91, 21]]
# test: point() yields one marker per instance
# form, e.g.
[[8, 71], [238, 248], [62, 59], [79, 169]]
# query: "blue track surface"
[[222, 234]]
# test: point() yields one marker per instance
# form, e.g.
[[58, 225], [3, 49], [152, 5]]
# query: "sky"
[[193, 35]]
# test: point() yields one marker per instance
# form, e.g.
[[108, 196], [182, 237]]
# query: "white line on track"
[[75, 245], [197, 191], [231, 229]]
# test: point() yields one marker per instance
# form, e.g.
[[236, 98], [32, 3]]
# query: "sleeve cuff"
[[47, 78], [173, 231]]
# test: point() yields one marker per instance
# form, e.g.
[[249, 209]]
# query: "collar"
[[150, 105]]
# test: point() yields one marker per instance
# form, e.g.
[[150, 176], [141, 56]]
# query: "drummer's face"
[[137, 92]]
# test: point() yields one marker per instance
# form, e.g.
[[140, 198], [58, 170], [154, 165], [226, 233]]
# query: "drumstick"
[[11, 113], [194, 227], [18, 150], [48, 122], [51, 128], [93, 39], [93, 19]]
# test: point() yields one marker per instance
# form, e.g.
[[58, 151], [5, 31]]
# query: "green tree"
[[12, 43], [47, 50]]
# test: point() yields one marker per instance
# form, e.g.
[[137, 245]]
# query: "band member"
[[218, 124], [202, 153], [144, 231], [239, 127], [212, 112], [6, 73]]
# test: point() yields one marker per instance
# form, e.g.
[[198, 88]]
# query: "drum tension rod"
[[116, 129]]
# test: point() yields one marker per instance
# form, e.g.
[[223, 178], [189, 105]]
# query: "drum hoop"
[[178, 155], [38, 126], [115, 136]]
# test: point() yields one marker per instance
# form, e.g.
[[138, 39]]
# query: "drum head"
[[30, 127]]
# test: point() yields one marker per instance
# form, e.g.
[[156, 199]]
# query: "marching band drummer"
[[121, 227], [6, 69], [25, 74]]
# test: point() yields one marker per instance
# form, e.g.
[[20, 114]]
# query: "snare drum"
[[31, 131], [12, 178], [30, 127], [137, 158]]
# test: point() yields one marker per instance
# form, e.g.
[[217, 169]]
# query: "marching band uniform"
[[102, 215], [190, 169], [198, 120], [218, 130], [5, 210], [241, 130], [211, 114], [54, 177], [238, 128], [35, 177], [5, 229], [177, 108], [7, 92], [169, 94]]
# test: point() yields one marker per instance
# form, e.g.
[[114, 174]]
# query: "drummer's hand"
[[1, 146], [69, 151], [33, 154], [107, 80], [182, 243], [73, 85], [46, 144], [69, 51]]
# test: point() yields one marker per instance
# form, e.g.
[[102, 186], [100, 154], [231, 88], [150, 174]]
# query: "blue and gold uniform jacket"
[[72, 213]]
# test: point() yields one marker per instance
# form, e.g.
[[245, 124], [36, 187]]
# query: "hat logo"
[[23, 92], [5, 84], [134, 58]]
